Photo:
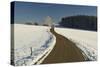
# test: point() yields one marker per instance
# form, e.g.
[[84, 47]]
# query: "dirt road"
[[64, 51]]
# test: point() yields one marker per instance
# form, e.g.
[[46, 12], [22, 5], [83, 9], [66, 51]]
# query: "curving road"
[[63, 51]]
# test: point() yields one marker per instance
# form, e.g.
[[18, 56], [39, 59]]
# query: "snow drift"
[[85, 40], [30, 43]]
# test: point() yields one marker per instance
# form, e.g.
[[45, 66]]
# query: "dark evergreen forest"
[[80, 22]]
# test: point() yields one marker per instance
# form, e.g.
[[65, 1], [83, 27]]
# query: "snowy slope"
[[85, 40], [27, 37]]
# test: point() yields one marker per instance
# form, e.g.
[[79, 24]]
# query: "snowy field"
[[31, 42], [85, 40]]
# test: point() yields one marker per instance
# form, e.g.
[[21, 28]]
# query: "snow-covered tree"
[[48, 21]]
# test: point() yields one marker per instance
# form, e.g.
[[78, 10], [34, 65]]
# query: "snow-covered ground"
[[85, 40], [30, 43]]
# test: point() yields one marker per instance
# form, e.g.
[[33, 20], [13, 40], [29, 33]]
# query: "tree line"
[[80, 22]]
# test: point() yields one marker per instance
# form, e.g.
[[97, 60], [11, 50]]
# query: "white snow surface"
[[41, 40], [85, 40], [27, 37]]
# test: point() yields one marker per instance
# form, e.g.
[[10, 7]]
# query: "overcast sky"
[[37, 12]]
